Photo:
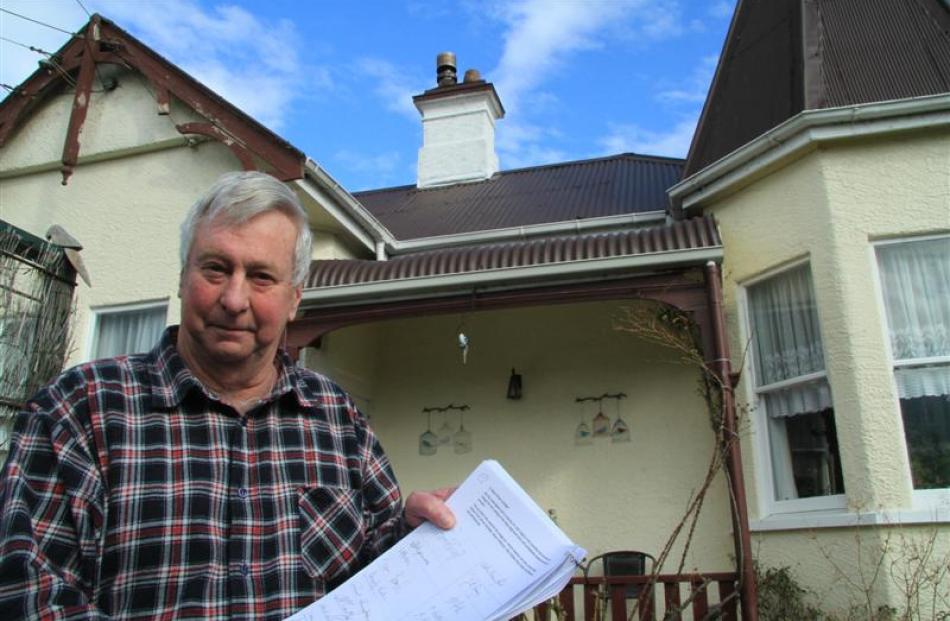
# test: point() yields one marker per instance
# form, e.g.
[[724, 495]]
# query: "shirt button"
[[242, 492], [245, 569]]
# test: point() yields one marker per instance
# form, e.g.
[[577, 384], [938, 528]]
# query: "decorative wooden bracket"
[[215, 132], [87, 70], [101, 41]]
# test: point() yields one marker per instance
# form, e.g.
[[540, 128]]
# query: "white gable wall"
[[136, 179]]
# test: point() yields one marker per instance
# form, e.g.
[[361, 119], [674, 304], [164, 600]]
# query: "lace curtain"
[[915, 278], [787, 342], [128, 332]]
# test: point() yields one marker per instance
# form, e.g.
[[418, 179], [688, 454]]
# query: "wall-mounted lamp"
[[514, 385]]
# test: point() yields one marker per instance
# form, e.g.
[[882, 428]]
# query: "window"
[[792, 387], [127, 330], [915, 283]]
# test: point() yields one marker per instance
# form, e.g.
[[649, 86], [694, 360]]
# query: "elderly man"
[[209, 478]]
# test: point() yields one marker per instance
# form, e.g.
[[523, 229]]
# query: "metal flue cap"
[[446, 69], [472, 75]]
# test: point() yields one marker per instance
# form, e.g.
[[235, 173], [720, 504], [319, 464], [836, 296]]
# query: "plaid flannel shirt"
[[132, 492]]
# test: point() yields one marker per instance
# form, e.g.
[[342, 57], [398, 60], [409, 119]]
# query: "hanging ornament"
[[582, 436], [463, 345], [428, 441], [601, 425], [445, 431], [462, 440], [620, 431]]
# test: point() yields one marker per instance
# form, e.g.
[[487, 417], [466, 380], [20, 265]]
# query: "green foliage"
[[781, 598]]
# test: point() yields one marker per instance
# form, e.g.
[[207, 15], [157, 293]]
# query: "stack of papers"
[[504, 556]]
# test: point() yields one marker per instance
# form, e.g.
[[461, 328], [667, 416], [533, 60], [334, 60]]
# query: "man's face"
[[236, 292]]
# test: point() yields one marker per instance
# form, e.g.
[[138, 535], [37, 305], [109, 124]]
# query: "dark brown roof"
[[785, 56], [694, 234], [616, 185]]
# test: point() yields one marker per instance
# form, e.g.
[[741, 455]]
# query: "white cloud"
[[694, 89], [520, 145], [382, 168], [540, 37], [722, 9], [252, 62], [393, 85], [633, 138]]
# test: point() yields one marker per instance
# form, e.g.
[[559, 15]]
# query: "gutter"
[[369, 231], [800, 133], [428, 286], [604, 223]]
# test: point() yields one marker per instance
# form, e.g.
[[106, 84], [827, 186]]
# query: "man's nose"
[[234, 298]]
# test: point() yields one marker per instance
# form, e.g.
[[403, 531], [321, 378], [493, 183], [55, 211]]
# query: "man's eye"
[[263, 278]]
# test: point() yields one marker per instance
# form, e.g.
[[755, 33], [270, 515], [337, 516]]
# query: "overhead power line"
[[29, 47], [36, 21]]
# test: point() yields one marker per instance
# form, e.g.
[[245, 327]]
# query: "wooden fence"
[[667, 597]]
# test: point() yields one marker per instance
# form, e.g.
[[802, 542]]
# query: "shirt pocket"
[[331, 532]]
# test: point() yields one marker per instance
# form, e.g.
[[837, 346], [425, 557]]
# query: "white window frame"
[[95, 314], [765, 486], [935, 502]]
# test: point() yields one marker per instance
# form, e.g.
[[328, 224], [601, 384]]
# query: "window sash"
[[128, 331], [915, 284], [788, 358]]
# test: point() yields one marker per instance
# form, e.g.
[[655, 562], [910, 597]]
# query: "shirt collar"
[[172, 380]]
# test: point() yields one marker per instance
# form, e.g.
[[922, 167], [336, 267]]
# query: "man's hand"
[[430, 507]]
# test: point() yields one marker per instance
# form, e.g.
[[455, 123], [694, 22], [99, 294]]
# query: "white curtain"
[[787, 342], [128, 332], [915, 278], [783, 475]]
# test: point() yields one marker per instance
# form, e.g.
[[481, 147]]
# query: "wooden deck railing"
[[674, 597]]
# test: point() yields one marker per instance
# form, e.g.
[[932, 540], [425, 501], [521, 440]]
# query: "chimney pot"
[[446, 69], [472, 75]]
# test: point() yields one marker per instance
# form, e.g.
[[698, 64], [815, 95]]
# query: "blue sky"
[[578, 78]]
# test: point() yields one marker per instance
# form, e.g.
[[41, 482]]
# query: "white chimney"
[[458, 127]]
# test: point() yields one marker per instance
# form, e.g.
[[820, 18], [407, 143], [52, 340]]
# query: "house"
[[823, 152], [815, 172]]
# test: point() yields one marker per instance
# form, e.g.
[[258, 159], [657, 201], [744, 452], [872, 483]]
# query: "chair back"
[[624, 563]]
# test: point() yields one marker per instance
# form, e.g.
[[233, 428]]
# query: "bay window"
[[791, 386], [915, 283]]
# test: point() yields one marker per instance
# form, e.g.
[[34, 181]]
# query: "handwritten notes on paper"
[[503, 556]]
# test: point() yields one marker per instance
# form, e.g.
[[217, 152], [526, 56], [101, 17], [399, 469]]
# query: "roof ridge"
[[661, 159]]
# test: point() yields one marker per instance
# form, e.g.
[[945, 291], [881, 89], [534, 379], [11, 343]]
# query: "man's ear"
[[298, 293]]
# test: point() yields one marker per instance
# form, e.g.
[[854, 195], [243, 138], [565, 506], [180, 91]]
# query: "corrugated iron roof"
[[878, 50], [785, 56], [620, 184], [696, 233]]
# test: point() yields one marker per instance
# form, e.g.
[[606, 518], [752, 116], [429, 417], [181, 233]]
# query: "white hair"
[[235, 198]]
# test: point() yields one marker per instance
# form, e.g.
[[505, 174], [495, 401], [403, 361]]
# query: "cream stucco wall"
[[606, 496], [136, 179], [856, 570], [828, 207]]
